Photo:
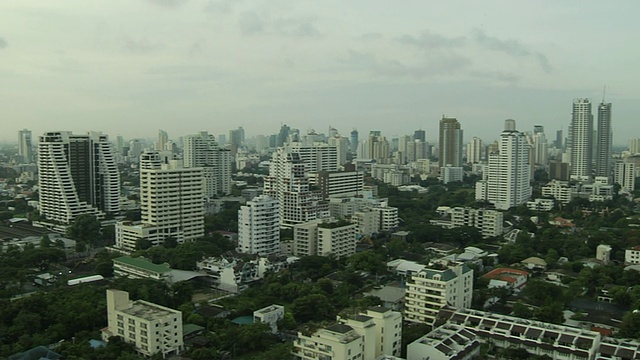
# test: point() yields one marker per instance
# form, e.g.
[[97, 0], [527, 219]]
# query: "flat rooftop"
[[148, 311]]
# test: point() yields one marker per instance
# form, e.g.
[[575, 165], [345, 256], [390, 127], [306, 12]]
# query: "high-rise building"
[[604, 140], [283, 135], [288, 183], [475, 150], [259, 227], [236, 140], [342, 147], [540, 148], [625, 175], [25, 147], [77, 174], [634, 146], [171, 203], [450, 143], [353, 141], [559, 143], [324, 239], [120, 144], [316, 156], [420, 135], [161, 143], [581, 140], [506, 177], [202, 150]]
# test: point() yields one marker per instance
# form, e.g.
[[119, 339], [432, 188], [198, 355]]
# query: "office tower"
[[604, 140], [259, 227], [262, 143], [450, 152], [625, 175], [171, 203], [288, 183], [506, 183], [420, 135], [25, 148], [581, 140], [341, 144], [201, 150], [77, 174], [236, 140], [416, 150], [283, 135], [222, 139], [120, 144], [332, 132], [559, 143], [634, 146], [510, 125], [163, 138], [354, 140], [475, 150], [135, 149]]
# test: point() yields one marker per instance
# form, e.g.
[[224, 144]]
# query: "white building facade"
[[259, 226]]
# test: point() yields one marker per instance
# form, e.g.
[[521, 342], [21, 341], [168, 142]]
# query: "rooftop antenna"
[[604, 90]]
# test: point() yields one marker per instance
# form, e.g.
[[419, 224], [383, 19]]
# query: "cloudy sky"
[[131, 67]]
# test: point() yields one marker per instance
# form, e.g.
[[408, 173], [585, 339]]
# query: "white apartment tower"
[[342, 147], [25, 147], [259, 227], [506, 183], [581, 140], [288, 183], [430, 289], [171, 203], [625, 175], [149, 327], [316, 157], [77, 174], [202, 150], [604, 141], [324, 239]]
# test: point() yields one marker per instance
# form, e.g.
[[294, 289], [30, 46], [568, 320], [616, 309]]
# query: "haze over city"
[[130, 68]]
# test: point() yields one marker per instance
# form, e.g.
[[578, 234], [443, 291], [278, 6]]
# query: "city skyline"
[[187, 66]]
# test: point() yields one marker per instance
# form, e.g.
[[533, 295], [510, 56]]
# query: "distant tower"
[[559, 140], [450, 143], [474, 150], [201, 150], [354, 140], [420, 135], [25, 149], [510, 124], [581, 140], [163, 138], [604, 141]]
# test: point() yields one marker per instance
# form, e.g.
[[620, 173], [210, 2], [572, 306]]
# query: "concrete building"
[[541, 204], [632, 256], [603, 253], [342, 148], [435, 287], [269, 315], [151, 328], [604, 141], [391, 174], [338, 183], [581, 140], [625, 176], [445, 343], [201, 150], [288, 183], [559, 190], [259, 226], [324, 238], [488, 222], [77, 174], [475, 151], [171, 204], [450, 174], [506, 180], [316, 157], [450, 143], [369, 335]]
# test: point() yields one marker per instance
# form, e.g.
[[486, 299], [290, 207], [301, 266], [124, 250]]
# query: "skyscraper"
[[510, 124], [506, 183], [77, 174], [604, 140], [474, 150], [259, 227], [25, 148], [163, 138], [450, 143], [354, 140], [202, 150], [581, 140], [420, 135]]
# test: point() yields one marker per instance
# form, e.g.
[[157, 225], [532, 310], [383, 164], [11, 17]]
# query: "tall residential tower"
[[581, 140], [604, 142], [450, 143]]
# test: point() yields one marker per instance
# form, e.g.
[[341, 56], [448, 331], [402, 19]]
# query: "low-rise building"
[[632, 256], [559, 190], [488, 222], [539, 204], [269, 315], [151, 328], [507, 277], [446, 342], [324, 238]]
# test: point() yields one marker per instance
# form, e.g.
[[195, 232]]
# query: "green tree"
[[86, 229]]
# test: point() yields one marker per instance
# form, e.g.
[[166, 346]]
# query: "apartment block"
[[151, 328], [559, 190], [324, 238], [338, 183], [488, 222], [435, 287], [448, 342], [269, 315], [625, 175], [259, 226], [370, 335]]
